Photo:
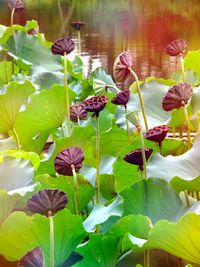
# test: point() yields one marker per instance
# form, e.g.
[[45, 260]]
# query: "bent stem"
[[12, 16], [51, 224], [75, 190], [67, 94], [140, 98], [182, 69], [97, 159], [143, 153], [187, 124], [127, 124], [79, 42], [187, 199]]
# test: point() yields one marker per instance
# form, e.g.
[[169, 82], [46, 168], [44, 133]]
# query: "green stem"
[[78, 120], [174, 132], [51, 224], [12, 16], [5, 68], [187, 124], [16, 138], [79, 42], [97, 159], [67, 94], [141, 99], [127, 125], [197, 195], [75, 190], [182, 69], [146, 258], [143, 154]]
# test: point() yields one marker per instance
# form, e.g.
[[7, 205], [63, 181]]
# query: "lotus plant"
[[96, 104], [15, 5], [122, 99], [176, 49], [48, 202], [77, 25], [77, 113], [63, 47], [69, 162], [122, 70], [178, 97]]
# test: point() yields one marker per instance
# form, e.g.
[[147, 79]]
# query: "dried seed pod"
[[63, 45], [77, 112], [18, 5], [47, 202], [122, 66], [135, 156], [77, 24], [157, 134], [176, 48], [177, 96], [33, 258], [121, 98], [68, 157], [95, 104]]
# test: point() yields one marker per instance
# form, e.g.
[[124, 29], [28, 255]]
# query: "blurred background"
[[112, 26]]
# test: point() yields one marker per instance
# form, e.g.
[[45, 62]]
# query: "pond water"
[[112, 26]]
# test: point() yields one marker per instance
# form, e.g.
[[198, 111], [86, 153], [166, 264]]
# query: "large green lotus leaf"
[[113, 141], [101, 213], [68, 233], [80, 137], [191, 61], [11, 100], [6, 71], [152, 93], [180, 184], [45, 111], [17, 171], [7, 203], [137, 225], [99, 251], [28, 51], [180, 239], [7, 32], [65, 183], [174, 147], [153, 198], [75, 68], [107, 186], [185, 166], [21, 233], [125, 174], [102, 82]]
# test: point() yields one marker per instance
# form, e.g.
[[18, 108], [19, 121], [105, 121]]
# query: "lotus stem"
[[182, 68], [5, 68], [146, 258], [51, 224], [141, 99], [16, 138], [12, 17], [75, 190], [180, 133], [127, 125], [187, 199], [197, 195], [97, 159], [67, 94], [78, 120], [79, 42], [144, 171], [187, 124]]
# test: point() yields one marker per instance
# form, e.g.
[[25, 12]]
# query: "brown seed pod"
[[122, 66], [177, 96], [176, 48], [63, 45]]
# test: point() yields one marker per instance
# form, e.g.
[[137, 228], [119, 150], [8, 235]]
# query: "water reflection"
[[143, 27]]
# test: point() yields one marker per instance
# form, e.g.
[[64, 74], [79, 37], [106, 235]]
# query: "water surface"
[[140, 26]]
